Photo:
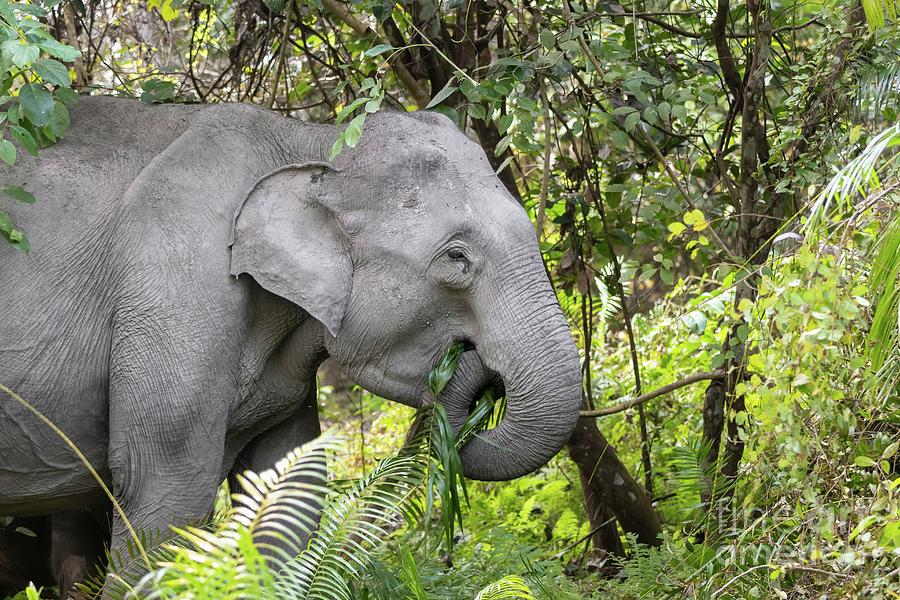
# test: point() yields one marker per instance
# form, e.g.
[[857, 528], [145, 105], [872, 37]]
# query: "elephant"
[[192, 265], [60, 549]]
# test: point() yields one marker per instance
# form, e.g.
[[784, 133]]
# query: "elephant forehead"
[[419, 147]]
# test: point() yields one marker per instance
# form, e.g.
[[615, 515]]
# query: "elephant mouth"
[[471, 381]]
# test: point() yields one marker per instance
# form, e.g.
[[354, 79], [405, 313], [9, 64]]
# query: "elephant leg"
[[24, 557], [268, 448], [78, 543], [170, 388]]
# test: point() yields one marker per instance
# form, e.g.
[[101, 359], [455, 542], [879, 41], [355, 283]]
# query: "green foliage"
[[29, 593], [349, 135], [34, 91]]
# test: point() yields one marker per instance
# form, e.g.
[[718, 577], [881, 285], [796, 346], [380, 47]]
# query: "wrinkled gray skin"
[[193, 265]]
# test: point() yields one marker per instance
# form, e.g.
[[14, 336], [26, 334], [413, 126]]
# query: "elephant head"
[[408, 244]]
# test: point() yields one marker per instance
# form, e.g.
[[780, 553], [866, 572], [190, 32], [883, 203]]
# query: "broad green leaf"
[[373, 105], [20, 53], [157, 90], [15, 236], [18, 193], [59, 121], [61, 51], [448, 111], [52, 71], [863, 461], [676, 228], [379, 49], [624, 110], [442, 95], [37, 103], [354, 130], [7, 152], [348, 110], [470, 90], [631, 121], [66, 95], [336, 147], [6, 12], [32, 9], [367, 83], [165, 8], [693, 217], [667, 276], [6, 224], [20, 241], [664, 110], [276, 6], [25, 139], [547, 39]]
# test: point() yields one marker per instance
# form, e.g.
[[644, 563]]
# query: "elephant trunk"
[[538, 364]]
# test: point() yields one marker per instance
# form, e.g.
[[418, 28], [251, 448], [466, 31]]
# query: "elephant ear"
[[286, 238]]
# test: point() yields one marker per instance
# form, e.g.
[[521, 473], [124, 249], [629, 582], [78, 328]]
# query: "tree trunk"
[[606, 480], [604, 531]]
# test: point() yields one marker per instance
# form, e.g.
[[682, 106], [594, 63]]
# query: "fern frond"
[[352, 523], [271, 515], [511, 586], [692, 476], [278, 506]]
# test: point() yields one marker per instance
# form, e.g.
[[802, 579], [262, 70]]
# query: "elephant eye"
[[459, 255]]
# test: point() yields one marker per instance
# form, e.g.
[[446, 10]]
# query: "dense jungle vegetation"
[[714, 185]]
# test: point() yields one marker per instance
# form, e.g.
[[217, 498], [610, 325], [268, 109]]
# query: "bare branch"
[[623, 406]]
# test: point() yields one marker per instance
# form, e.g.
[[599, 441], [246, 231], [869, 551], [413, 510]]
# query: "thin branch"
[[623, 406], [584, 538], [545, 176], [282, 53], [412, 85], [673, 175]]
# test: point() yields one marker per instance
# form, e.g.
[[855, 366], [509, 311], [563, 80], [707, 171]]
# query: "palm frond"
[[690, 471], [606, 301], [409, 574], [858, 178], [883, 338], [879, 12], [278, 506], [878, 89]]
